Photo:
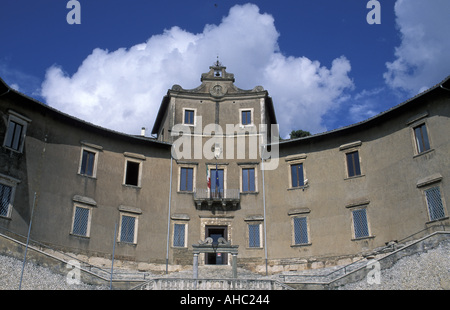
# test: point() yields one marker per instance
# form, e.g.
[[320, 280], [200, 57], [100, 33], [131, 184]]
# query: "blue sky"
[[321, 62]]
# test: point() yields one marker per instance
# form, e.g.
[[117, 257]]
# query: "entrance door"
[[216, 232], [217, 183]]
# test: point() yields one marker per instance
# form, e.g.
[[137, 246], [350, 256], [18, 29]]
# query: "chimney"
[[143, 131]]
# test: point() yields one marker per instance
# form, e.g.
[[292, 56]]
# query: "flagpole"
[[217, 178]]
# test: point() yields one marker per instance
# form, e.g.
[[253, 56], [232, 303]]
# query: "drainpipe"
[[168, 216], [264, 205]]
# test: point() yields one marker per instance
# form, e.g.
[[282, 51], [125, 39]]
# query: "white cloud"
[[303, 91], [122, 89], [365, 105], [422, 57], [15, 86]]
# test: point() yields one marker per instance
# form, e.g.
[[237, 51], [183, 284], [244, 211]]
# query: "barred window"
[[128, 229], [434, 202], [81, 221], [179, 234], [360, 224], [254, 237], [300, 230], [5, 199]]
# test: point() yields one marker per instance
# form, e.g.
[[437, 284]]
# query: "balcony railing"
[[226, 198]]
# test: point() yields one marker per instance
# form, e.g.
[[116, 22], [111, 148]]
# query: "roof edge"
[[379, 115], [73, 118]]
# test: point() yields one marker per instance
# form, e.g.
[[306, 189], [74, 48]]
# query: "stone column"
[[234, 265], [195, 269]]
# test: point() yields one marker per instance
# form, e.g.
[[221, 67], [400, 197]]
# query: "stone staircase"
[[213, 277]]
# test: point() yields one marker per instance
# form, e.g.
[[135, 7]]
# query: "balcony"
[[226, 200]]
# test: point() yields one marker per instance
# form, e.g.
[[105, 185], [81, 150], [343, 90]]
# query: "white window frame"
[[93, 149], [296, 160], [219, 167], [185, 241], [11, 182], [88, 229], [428, 183], [369, 234], [136, 158], [184, 116], [415, 122], [252, 114], [441, 201], [194, 175], [241, 185], [299, 213], [351, 148], [260, 231], [294, 232], [136, 224], [21, 120]]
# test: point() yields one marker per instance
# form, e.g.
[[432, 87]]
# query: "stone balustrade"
[[212, 284]]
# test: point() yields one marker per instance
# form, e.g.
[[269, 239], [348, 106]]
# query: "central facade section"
[[218, 133]]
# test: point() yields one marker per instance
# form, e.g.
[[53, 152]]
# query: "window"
[[248, 180], [297, 179], [5, 199], [360, 224], [87, 163], [8, 187], [353, 166], [133, 169], [246, 117], [217, 186], [421, 138], [15, 133], [132, 173], [435, 204], [186, 179], [128, 229], [89, 159], [179, 235], [189, 117], [300, 230], [81, 221], [254, 235]]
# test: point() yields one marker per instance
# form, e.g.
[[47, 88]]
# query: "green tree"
[[299, 134]]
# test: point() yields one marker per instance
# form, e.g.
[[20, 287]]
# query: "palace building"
[[215, 168]]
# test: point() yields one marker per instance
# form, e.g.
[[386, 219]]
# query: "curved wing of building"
[[216, 174]]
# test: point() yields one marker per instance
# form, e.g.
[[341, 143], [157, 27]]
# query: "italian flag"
[[208, 177]]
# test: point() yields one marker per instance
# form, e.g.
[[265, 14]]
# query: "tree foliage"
[[299, 134]]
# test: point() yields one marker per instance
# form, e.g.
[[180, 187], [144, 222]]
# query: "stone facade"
[[316, 201]]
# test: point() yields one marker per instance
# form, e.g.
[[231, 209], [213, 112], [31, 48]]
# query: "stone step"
[[214, 272]]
